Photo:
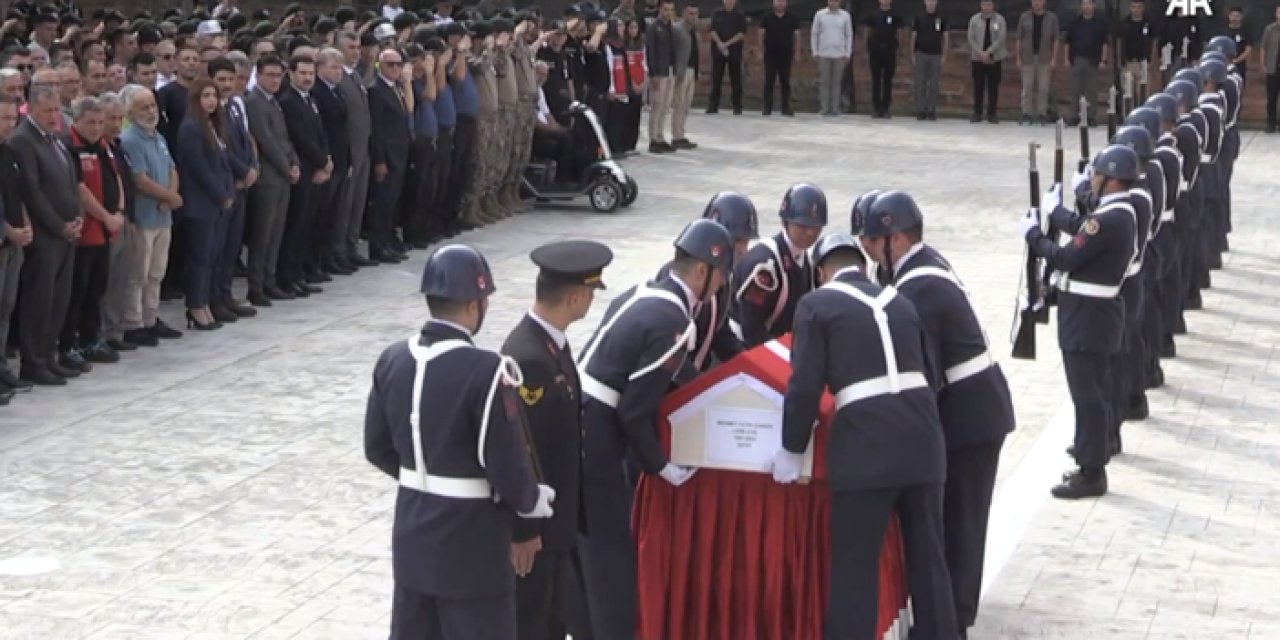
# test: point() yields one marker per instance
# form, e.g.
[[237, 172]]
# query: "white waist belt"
[[1088, 289], [879, 387], [969, 368], [598, 390], [462, 488]]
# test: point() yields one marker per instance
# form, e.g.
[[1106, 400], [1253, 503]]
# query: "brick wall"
[[955, 87]]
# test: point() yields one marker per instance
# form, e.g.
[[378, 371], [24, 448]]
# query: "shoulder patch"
[[531, 396], [1090, 227]]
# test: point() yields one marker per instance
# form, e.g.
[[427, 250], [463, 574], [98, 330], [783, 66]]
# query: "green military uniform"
[[506, 126], [476, 209], [526, 115]]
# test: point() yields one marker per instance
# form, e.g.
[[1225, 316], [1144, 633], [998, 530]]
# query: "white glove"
[[1052, 198], [1029, 222], [542, 508], [676, 474], [1081, 177], [786, 466]]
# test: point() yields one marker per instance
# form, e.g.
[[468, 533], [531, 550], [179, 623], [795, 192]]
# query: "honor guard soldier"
[[444, 419], [1214, 104], [1191, 133], [1129, 364], [716, 334], [1226, 49], [857, 219], [1163, 299], [974, 402], [625, 371], [1156, 185], [1090, 312], [885, 451], [548, 592], [776, 272]]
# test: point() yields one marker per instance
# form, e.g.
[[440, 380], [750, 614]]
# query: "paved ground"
[[216, 489]]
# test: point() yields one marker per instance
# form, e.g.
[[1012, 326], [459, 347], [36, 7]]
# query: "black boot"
[[1083, 483]]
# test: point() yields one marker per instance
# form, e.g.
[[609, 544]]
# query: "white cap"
[[209, 28], [384, 31]]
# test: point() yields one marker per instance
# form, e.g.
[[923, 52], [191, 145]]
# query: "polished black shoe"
[[222, 314], [387, 257], [361, 261], [274, 292], [345, 264], [1137, 409], [57, 369], [14, 382], [660, 147], [421, 244], [164, 331], [259, 299], [73, 360], [141, 337], [100, 352], [311, 288], [684, 143], [1081, 484], [241, 308], [333, 268], [993, 119], [317, 277], [121, 345], [975, 118], [42, 377], [298, 289], [193, 323]]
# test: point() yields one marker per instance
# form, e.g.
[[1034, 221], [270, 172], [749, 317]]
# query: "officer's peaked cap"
[[1224, 44], [1184, 92], [580, 262], [1137, 138], [1214, 71], [804, 204], [860, 210], [736, 212], [707, 241], [833, 242], [1147, 118], [892, 212], [1165, 105], [457, 272], [1119, 162]]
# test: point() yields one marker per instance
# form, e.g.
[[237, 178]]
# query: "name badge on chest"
[[888, 19], [937, 24]]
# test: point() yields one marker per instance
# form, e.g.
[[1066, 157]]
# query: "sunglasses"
[[24, 67]]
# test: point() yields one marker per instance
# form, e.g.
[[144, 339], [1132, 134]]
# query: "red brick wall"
[[955, 88]]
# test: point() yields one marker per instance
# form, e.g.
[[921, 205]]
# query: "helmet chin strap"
[[480, 320], [888, 260]]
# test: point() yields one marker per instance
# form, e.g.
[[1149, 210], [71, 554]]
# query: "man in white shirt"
[[392, 9], [551, 140], [831, 40]]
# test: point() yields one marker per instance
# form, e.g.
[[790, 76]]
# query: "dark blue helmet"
[[1119, 162], [1186, 93], [1165, 105], [457, 272], [861, 209], [1147, 118], [804, 204], [736, 212], [1137, 138], [831, 243], [892, 212], [1215, 55], [707, 241], [1223, 44], [1214, 71], [1190, 74]]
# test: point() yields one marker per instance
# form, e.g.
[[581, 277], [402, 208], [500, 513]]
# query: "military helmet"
[[1214, 71], [1215, 55], [833, 242], [1118, 161], [707, 241], [804, 204], [1190, 74], [891, 212], [1186, 93], [860, 210], [1147, 118], [1223, 44], [1137, 138], [1165, 105], [736, 212], [457, 272]]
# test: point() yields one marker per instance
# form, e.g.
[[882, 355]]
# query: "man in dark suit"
[[549, 600], [244, 168], [389, 152], [355, 190], [50, 193], [333, 117], [269, 198], [306, 132]]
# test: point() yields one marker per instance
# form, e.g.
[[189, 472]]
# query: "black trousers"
[[858, 522], [1191, 224], [1089, 380], [1152, 321], [1169, 292], [623, 126], [83, 322], [1273, 94], [777, 67], [1134, 351], [556, 146], [609, 556], [383, 206], [883, 64], [442, 173], [328, 213], [204, 250], [47, 273], [420, 189], [462, 165], [174, 278], [232, 231], [966, 507], [986, 84], [418, 616], [299, 229], [550, 601], [733, 62]]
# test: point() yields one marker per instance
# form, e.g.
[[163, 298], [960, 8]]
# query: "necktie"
[[57, 149]]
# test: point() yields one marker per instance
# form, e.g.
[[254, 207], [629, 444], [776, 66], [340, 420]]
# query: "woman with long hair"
[[208, 191], [625, 49]]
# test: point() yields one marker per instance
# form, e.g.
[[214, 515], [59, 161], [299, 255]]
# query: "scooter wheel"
[[630, 192], [605, 196]]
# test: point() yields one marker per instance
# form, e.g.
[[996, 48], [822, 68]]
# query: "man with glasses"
[[166, 56]]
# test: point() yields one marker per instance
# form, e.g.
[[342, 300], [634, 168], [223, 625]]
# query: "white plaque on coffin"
[[735, 424]]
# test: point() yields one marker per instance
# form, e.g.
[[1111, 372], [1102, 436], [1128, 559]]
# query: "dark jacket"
[[333, 119], [659, 50], [306, 131], [10, 191], [50, 180], [389, 140], [239, 143], [204, 173], [267, 124]]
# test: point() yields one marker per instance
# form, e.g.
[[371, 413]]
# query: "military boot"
[[489, 210], [517, 202], [1082, 483], [471, 213]]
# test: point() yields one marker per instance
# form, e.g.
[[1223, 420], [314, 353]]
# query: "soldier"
[[625, 371], [974, 403], [548, 593], [505, 122], [1231, 90], [526, 42], [1189, 133], [1162, 184], [1213, 107], [867, 346], [776, 272], [1090, 312], [475, 204], [463, 471]]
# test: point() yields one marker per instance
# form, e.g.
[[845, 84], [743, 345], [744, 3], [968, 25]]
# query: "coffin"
[[732, 555]]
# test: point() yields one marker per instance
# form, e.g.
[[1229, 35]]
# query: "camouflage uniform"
[[505, 71], [526, 115], [476, 209]]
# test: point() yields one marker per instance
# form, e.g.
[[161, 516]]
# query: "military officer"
[[773, 275], [715, 339], [974, 402], [443, 418], [548, 592], [625, 371], [1090, 312], [885, 453]]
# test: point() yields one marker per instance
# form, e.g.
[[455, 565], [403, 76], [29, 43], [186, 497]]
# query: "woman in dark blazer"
[[208, 190]]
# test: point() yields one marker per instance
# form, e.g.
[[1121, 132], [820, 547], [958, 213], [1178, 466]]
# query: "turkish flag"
[[635, 61]]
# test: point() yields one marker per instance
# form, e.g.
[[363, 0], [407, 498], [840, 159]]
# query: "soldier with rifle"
[[1165, 243], [1192, 131], [1162, 183]]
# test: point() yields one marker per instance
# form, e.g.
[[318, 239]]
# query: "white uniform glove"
[[542, 508], [676, 474], [786, 466], [1029, 222], [1052, 198], [1081, 177]]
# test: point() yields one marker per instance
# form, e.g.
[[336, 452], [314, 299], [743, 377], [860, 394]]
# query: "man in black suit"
[[549, 600], [306, 132], [244, 168], [392, 134], [269, 198], [50, 193], [333, 116]]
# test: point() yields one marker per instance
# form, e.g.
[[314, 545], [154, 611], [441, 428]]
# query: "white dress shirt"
[[556, 335]]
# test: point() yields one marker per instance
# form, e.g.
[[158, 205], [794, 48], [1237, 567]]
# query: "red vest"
[[94, 233]]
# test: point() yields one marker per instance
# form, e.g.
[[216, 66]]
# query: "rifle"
[[1084, 134], [1024, 341], [1113, 113], [1126, 103], [1046, 290]]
